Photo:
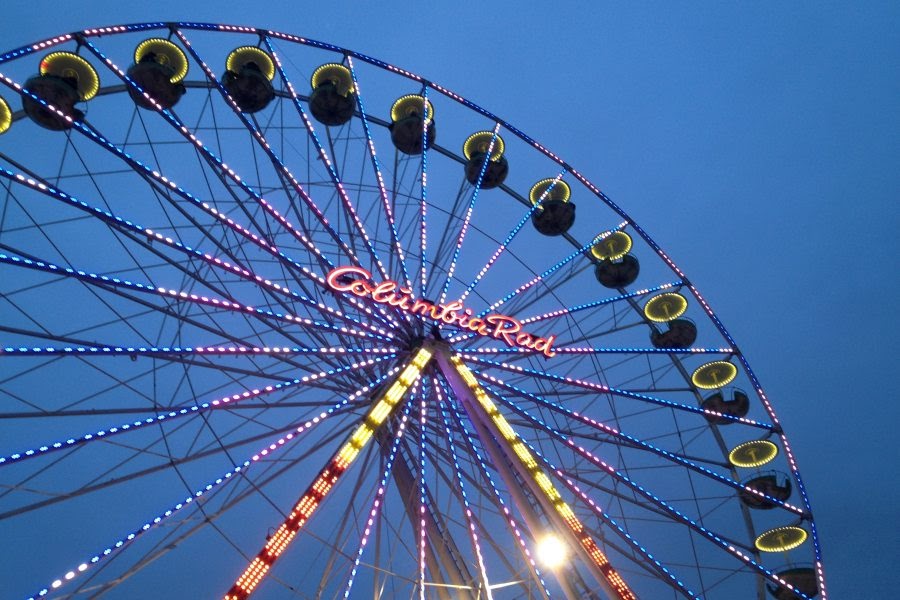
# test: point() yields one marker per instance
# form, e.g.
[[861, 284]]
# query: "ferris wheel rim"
[[734, 351]]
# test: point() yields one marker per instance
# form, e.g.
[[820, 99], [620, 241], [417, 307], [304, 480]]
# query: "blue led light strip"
[[598, 387], [204, 491], [385, 202], [345, 199], [424, 509], [467, 219], [378, 501], [473, 530], [125, 224], [588, 350], [25, 50], [423, 226], [511, 521], [596, 303], [180, 296], [598, 426], [180, 411], [161, 351]]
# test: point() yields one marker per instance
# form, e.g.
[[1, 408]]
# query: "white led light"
[[551, 551]]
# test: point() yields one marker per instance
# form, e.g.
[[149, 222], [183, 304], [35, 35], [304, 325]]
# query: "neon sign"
[[358, 282]]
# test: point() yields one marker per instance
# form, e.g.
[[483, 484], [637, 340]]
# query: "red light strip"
[[327, 478], [544, 484]]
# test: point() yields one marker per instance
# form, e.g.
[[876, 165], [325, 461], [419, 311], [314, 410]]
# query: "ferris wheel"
[[281, 320]]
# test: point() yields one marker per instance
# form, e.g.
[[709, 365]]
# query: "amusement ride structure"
[[281, 320]]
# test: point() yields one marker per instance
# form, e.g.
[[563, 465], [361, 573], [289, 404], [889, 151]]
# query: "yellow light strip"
[[310, 500], [526, 458]]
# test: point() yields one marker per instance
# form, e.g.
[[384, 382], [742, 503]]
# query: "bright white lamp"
[[551, 551]]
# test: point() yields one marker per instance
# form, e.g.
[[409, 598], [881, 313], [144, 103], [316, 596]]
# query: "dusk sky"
[[757, 143]]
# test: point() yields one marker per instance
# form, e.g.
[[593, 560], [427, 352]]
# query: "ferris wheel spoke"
[[379, 175], [604, 389], [338, 184], [423, 204], [622, 438], [473, 529], [512, 524], [267, 149], [423, 508], [240, 469], [731, 547], [324, 482], [464, 227], [172, 413], [562, 312], [523, 353], [144, 472], [517, 457], [620, 498], [130, 410], [164, 198]]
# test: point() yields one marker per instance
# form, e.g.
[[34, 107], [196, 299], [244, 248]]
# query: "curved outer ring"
[[97, 32]]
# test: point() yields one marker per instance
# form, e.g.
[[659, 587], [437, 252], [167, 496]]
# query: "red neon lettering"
[[337, 279], [504, 333], [543, 345], [358, 281], [450, 317], [420, 307], [384, 292]]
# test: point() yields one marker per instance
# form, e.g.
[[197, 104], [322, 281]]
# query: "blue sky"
[[757, 143]]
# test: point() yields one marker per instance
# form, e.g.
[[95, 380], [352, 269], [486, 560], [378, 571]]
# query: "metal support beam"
[[516, 463], [440, 550], [513, 483]]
